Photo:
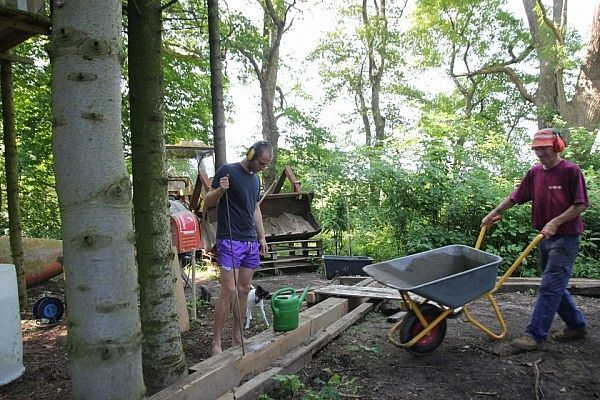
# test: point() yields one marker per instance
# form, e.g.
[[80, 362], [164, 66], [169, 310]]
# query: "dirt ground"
[[362, 363]]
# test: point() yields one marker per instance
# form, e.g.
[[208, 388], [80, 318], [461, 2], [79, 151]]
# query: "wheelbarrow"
[[450, 276]]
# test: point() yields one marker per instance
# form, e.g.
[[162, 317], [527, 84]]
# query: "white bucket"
[[11, 341]]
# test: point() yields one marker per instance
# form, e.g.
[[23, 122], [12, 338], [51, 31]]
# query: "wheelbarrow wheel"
[[411, 326]]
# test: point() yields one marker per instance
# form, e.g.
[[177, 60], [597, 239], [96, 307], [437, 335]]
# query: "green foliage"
[[332, 386], [286, 387], [431, 190], [37, 193]]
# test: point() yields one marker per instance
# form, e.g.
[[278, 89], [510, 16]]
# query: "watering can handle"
[[273, 307], [278, 292]]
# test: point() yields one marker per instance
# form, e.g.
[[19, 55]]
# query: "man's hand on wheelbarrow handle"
[[490, 219]]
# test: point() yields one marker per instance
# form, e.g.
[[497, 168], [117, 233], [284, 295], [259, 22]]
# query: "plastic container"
[[345, 265], [11, 341]]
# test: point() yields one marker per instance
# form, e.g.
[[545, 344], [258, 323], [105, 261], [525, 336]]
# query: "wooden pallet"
[[293, 254]]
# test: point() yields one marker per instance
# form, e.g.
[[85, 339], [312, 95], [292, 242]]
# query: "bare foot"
[[216, 349]]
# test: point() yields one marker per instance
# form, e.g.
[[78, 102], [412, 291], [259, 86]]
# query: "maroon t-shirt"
[[551, 192]]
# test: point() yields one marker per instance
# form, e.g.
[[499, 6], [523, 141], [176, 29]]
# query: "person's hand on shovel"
[[224, 183]]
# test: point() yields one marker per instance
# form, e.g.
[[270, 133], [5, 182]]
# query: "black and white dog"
[[255, 299]]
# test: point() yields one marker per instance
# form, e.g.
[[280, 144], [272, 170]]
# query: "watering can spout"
[[303, 296]]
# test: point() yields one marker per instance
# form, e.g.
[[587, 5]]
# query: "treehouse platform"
[[20, 20]]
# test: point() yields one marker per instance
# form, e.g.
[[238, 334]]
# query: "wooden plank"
[[313, 297], [285, 266], [297, 359], [217, 375], [360, 291], [22, 26], [396, 317], [182, 311], [577, 286], [15, 58], [355, 280], [284, 259], [366, 282], [273, 247], [295, 241]]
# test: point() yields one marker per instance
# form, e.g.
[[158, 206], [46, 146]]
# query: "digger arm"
[[289, 174]]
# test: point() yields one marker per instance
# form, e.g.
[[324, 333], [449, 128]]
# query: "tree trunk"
[[550, 98], [12, 179], [363, 111], [376, 60], [270, 131], [163, 357], [274, 26], [584, 108], [94, 189], [216, 84]]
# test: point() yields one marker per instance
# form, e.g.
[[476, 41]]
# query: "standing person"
[[240, 234], [557, 190]]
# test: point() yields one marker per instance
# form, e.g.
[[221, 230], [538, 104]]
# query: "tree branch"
[[169, 4], [556, 30], [505, 69], [252, 61]]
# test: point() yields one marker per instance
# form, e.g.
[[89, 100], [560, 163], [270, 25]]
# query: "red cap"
[[545, 137]]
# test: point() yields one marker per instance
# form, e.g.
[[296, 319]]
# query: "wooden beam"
[[15, 58], [577, 286], [355, 280], [214, 377], [297, 359], [360, 291], [24, 26]]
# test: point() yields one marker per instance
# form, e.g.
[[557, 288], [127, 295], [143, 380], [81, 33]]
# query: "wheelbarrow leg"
[[499, 317]]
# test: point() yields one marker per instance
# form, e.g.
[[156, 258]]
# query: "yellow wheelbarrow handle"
[[518, 261], [484, 229]]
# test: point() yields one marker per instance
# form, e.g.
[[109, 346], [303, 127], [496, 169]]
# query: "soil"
[[362, 363]]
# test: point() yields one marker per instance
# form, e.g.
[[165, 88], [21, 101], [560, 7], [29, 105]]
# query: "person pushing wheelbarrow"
[[557, 191]]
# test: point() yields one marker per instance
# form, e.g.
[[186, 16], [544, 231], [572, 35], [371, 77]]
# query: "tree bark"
[[584, 107], [550, 99], [12, 179], [274, 26], [376, 56], [216, 84], [163, 357], [94, 189]]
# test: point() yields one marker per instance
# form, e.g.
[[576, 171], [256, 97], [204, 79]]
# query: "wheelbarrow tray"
[[451, 275]]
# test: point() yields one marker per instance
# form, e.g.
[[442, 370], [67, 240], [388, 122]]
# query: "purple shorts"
[[245, 254]]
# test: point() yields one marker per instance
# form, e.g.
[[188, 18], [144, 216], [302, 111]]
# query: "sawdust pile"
[[286, 223]]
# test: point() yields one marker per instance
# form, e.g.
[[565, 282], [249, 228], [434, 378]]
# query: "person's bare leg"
[[222, 308], [244, 280]]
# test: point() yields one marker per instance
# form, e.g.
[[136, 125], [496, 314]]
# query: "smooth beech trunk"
[[94, 190]]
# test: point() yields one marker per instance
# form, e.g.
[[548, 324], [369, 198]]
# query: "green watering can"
[[286, 309]]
